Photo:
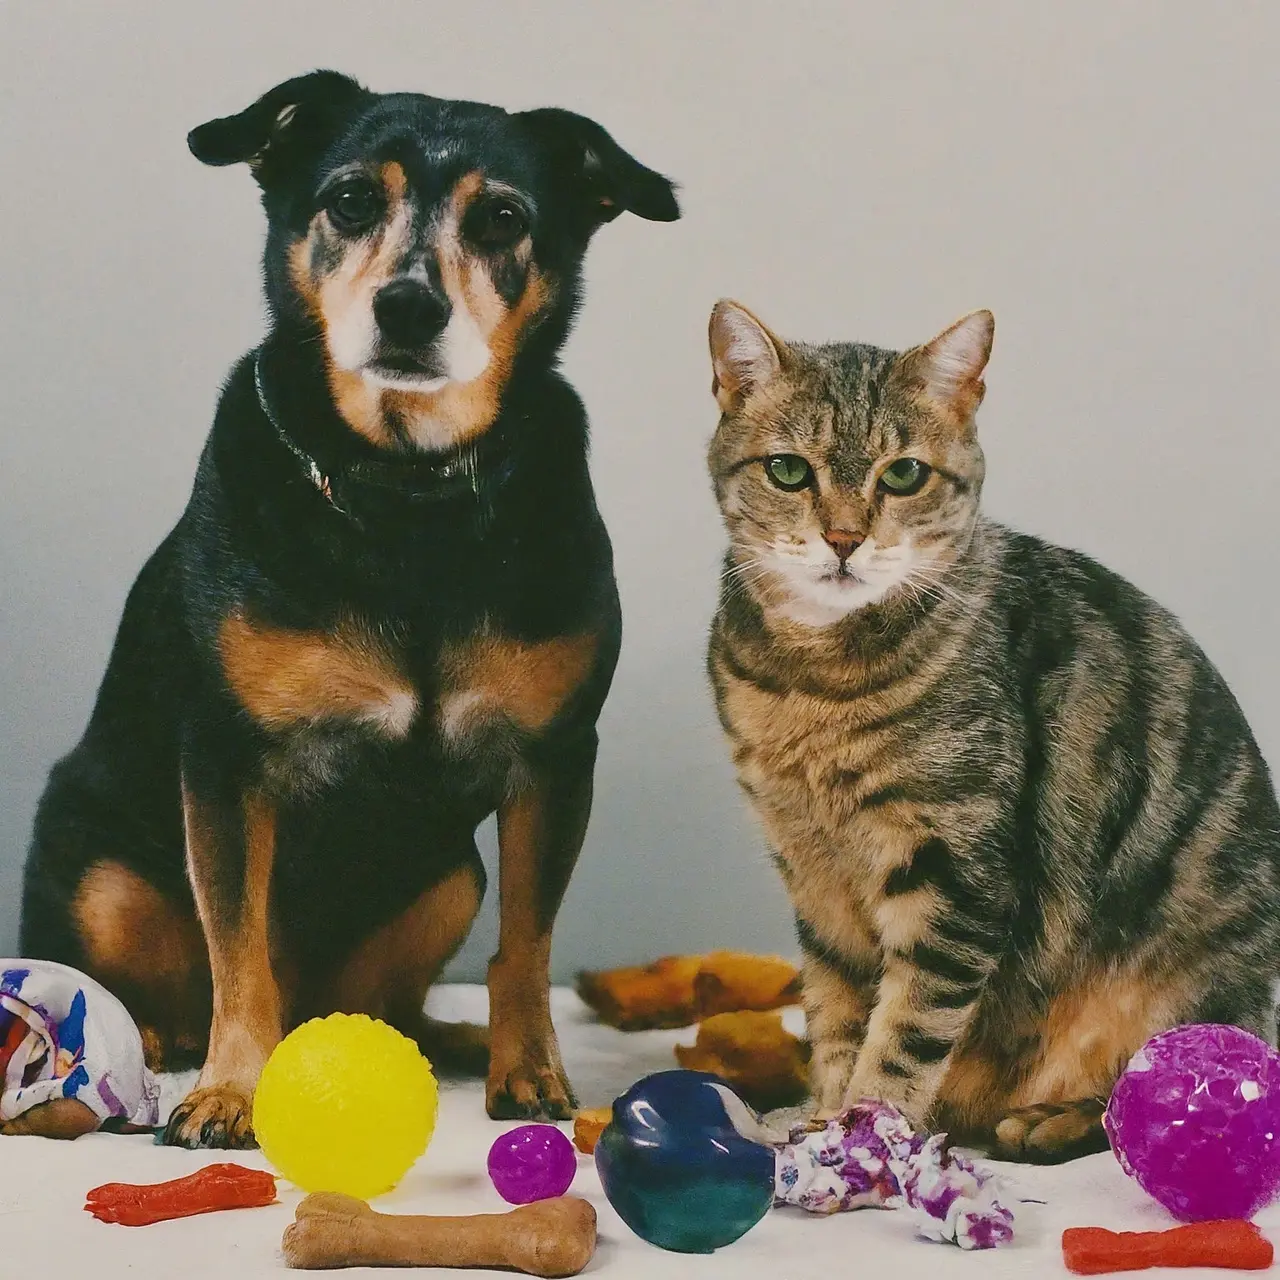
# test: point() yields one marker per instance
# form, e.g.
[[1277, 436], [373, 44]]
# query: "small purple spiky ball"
[[1195, 1119], [533, 1162]]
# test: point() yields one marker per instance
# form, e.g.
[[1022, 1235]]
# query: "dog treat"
[[550, 1238], [678, 991], [1233, 1245], [216, 1186], [588, 1126], [754, 1053]]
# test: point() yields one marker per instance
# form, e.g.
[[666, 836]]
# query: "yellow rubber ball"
[[345, 1103]]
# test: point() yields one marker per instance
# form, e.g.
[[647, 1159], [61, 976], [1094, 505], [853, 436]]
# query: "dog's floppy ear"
[[606, 179], [281, 123]]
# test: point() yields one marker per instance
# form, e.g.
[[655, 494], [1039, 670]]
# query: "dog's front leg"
[[541, 828], [230, 837]]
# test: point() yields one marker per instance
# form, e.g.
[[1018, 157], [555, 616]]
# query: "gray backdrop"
[[1101, 173]]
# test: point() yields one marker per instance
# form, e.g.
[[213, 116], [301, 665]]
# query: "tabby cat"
[[1022, 821]]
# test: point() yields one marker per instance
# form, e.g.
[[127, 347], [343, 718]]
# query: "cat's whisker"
[[746, 575], [918, 592], [931, 580], [741, 568], [938, 590], [933, 586]]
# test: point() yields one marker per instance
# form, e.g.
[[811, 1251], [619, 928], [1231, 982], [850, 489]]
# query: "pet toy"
[[208, 1190], [690, 1167], [1238, 1246], [551, 1238], [347, 1104], [683, 1163], [869, 1157], [533, 1162], [71, 1057], [1195, 1119]]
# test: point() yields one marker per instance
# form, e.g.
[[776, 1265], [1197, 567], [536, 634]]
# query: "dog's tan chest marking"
[[490, 679], [289, 679]]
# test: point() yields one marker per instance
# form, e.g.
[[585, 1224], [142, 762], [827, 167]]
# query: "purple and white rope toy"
[[870, 1157]]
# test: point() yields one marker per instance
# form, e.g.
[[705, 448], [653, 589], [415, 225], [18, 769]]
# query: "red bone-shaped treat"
[[216, 1186], [1239, 1246]]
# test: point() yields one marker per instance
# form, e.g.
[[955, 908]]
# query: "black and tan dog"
[[387, 612]]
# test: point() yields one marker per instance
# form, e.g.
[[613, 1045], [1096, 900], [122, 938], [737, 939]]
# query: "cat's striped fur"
[[1022, 820]]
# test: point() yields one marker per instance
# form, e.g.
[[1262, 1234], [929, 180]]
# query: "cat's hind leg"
[[1051, 1133], [1089, 1032]]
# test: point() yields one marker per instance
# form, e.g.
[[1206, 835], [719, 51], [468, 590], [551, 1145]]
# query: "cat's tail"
[[1052, 1132]]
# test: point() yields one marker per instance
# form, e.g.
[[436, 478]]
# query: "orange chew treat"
[[588, 1126], [755, 1053], [1235, 1245], [678, 991]]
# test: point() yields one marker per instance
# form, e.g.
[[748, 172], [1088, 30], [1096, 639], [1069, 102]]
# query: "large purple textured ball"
[[1195, 1118], [533, 1162]]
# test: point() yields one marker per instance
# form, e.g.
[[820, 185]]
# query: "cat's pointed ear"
[[745, 356], [948, 371]]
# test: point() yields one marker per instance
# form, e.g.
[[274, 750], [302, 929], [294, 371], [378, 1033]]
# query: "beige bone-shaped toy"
[[549, 1238]]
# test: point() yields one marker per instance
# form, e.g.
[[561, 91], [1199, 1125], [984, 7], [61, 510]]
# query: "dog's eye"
[[496, 223], [354, 206]]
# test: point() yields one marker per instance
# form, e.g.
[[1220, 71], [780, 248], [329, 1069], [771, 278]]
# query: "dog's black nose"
[[409, 314]]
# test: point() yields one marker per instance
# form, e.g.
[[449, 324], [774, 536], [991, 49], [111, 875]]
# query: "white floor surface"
[[44, 1230]]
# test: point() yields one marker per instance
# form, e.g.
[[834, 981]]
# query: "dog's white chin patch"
[[388, 381], [462, 348]]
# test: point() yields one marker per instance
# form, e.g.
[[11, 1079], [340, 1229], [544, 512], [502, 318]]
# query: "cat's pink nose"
[[842, 542]]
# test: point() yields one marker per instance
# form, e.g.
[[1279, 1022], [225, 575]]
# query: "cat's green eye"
[[789, 471], [906, 476]]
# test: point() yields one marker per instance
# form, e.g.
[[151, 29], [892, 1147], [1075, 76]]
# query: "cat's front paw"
[[906, 1097], [830, 1072]]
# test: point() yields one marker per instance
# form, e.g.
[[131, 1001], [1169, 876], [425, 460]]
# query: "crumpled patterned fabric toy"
[[62, 1035], [870, 1157]]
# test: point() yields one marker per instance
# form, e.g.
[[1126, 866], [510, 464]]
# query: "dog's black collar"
[[454, 475]]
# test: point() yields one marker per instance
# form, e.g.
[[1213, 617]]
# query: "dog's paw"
[[64, 1118], [218, 1118], [530, 1091]]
